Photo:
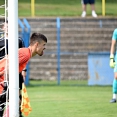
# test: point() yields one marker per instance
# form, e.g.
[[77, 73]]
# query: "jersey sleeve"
[[114, 36]]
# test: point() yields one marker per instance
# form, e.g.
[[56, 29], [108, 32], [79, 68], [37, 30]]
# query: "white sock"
[[84, 11], [93, 11], [114, 96], [83, 14]]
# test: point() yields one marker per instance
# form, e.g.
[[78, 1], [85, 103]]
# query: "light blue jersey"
[[114, 37]]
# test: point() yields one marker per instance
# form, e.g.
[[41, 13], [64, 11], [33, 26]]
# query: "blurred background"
[[62, 8], [75, 43], [77, 53]]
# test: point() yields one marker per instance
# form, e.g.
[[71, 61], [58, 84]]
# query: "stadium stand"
[[78, 37]]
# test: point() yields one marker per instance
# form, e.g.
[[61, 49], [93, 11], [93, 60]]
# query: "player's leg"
[[1, 108], [114, 85], [3, 100], [114, 89], [20, 99], [92, 3], [20, 96], [84, 3], [6, 112]]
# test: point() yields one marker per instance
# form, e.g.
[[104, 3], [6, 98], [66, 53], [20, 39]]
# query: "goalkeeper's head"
[[38, 42]]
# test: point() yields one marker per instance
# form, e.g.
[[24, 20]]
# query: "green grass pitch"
[[45, 8], [70, 100]]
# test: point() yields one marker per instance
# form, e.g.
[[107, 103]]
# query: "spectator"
[[84, 4]]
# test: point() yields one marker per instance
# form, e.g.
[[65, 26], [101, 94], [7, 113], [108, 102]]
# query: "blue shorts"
[[88, 1]]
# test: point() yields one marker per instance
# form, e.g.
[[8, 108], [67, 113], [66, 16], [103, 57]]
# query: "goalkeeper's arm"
[[112, 61]]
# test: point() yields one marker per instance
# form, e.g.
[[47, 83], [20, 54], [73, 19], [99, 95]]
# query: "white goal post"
[[13, 58]]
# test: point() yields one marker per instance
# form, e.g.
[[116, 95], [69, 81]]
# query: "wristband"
[[111, 56]]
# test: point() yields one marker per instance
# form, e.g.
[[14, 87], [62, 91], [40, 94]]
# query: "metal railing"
[[25, 34]]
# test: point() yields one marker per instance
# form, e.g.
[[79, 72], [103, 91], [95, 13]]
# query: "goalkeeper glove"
[[112, 62]]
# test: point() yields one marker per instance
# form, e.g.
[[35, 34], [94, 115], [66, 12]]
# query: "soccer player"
[[37, 46], [22, 75], [113, 64]]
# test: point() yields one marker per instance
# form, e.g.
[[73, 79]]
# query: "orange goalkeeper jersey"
[[24, 57]]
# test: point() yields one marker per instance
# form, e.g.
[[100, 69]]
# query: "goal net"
[[9, 83]]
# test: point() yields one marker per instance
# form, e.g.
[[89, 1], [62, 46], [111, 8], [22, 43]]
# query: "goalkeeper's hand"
[[112, 62]]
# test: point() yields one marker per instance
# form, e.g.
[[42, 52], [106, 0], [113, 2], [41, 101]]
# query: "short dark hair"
[[37, 37]]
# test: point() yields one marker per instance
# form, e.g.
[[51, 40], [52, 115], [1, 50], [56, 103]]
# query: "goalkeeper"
[[113, 64], [22, 75], [37, 46]]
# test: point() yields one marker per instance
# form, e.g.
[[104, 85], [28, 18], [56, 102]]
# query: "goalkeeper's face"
[[40, 48]]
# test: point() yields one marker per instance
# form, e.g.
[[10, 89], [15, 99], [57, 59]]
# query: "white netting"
[[3, 53]]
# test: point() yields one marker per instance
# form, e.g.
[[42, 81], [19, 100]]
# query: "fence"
[[98, 68], [33, 8], [69, 42], [99, 72], [25, 34]]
